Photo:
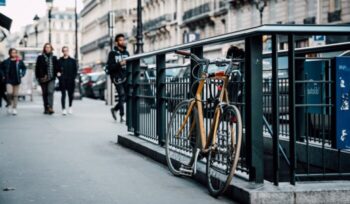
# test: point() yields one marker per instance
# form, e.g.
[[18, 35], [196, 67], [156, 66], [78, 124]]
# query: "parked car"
[[94, 85]]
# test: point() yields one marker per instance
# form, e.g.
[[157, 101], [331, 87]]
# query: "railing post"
[[135, 93], [291, 85], [199, 52], [129, 91], [161, 103], [275, 110], [254, 108]]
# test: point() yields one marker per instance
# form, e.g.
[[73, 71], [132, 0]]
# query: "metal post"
[[36, 36], [76, 33], [49, 16], [161, 103], [292, 122], [254, 108], [199, 52], [275, 110], [129, 91], [135, 98], [139, 34]]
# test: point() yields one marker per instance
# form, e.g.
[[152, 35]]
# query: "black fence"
[[271, 95]]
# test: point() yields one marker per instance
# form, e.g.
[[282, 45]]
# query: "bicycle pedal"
[[186, 170]]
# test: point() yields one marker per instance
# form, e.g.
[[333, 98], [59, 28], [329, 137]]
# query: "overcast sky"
[[22, 12]]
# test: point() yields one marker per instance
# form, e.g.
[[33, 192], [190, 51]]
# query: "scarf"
[[50, 71]]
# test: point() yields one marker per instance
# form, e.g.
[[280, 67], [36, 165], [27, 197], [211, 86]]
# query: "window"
[[62, 25], [66, 39], [58, 38], [334, 5]]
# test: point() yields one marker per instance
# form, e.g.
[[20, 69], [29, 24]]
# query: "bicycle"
[[186, 139]]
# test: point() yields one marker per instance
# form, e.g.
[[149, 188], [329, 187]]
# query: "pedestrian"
[[116, 66], [12, 69], [3, 90], [69, 70], [46, 71]]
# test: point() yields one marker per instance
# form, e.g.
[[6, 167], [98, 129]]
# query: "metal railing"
[[293, 137]]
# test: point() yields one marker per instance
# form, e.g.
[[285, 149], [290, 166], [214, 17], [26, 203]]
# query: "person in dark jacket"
[[116, 66], [13, 69], [3, 90], [46, 70], [69, 70]]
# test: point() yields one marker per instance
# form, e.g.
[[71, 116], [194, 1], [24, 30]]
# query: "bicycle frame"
[[205, 141]]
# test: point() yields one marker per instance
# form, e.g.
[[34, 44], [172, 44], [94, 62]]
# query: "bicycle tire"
[[183, 146], [217, 160]]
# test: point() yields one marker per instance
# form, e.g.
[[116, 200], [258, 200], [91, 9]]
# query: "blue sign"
[[314, 71], [319, 38], [342, 65], [2, 2]]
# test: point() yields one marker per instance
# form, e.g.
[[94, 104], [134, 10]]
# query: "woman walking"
[[69, 70], [13, 69], [46, 71]]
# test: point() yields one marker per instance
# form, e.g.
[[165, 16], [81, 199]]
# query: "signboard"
[[191, 37], [2, 2], [314, 71], [342, 65], [318, 40]]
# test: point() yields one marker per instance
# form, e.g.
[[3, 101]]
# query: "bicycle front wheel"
[[181, 138], [224, 152]]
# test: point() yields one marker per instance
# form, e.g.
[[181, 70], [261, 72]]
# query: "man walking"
[[69, 70], [116, 66], [13, 70], [3, 89], [46, 71]]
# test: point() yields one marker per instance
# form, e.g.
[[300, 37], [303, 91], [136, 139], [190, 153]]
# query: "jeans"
[[67, 85], [48, 90], [12, 92], [121, 98]]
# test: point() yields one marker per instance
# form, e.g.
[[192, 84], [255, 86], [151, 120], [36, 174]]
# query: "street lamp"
[[25, 39], [139, 34], [36, 22], [260, 5], [49, 4]]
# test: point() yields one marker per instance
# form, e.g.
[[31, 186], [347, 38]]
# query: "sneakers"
[[122, 119], [70, 110], [64, 112], [113, 114], [9, 110], [14, 111]]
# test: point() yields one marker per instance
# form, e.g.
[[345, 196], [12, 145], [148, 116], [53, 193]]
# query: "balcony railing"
[[334, 16], [157, 22]]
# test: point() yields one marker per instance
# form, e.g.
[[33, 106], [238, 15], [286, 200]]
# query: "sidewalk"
[[74, 159]]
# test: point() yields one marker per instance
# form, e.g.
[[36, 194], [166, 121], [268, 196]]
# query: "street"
[[75, 159]]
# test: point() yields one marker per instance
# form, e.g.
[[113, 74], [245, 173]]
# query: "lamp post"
[[36, 22], [49, 4], [139, 34], [76, 32], [25, 39], [260, 5]]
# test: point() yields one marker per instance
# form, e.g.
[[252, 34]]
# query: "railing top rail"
[[260, 30]]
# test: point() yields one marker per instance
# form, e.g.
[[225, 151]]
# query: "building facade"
[[62, 32], [95, 29], [170, 22]]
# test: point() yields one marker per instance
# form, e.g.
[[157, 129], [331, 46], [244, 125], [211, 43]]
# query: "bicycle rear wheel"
[[224, 153], [181, 138]]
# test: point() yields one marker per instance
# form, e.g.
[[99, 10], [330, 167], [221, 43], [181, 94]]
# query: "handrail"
[[259, 30]]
